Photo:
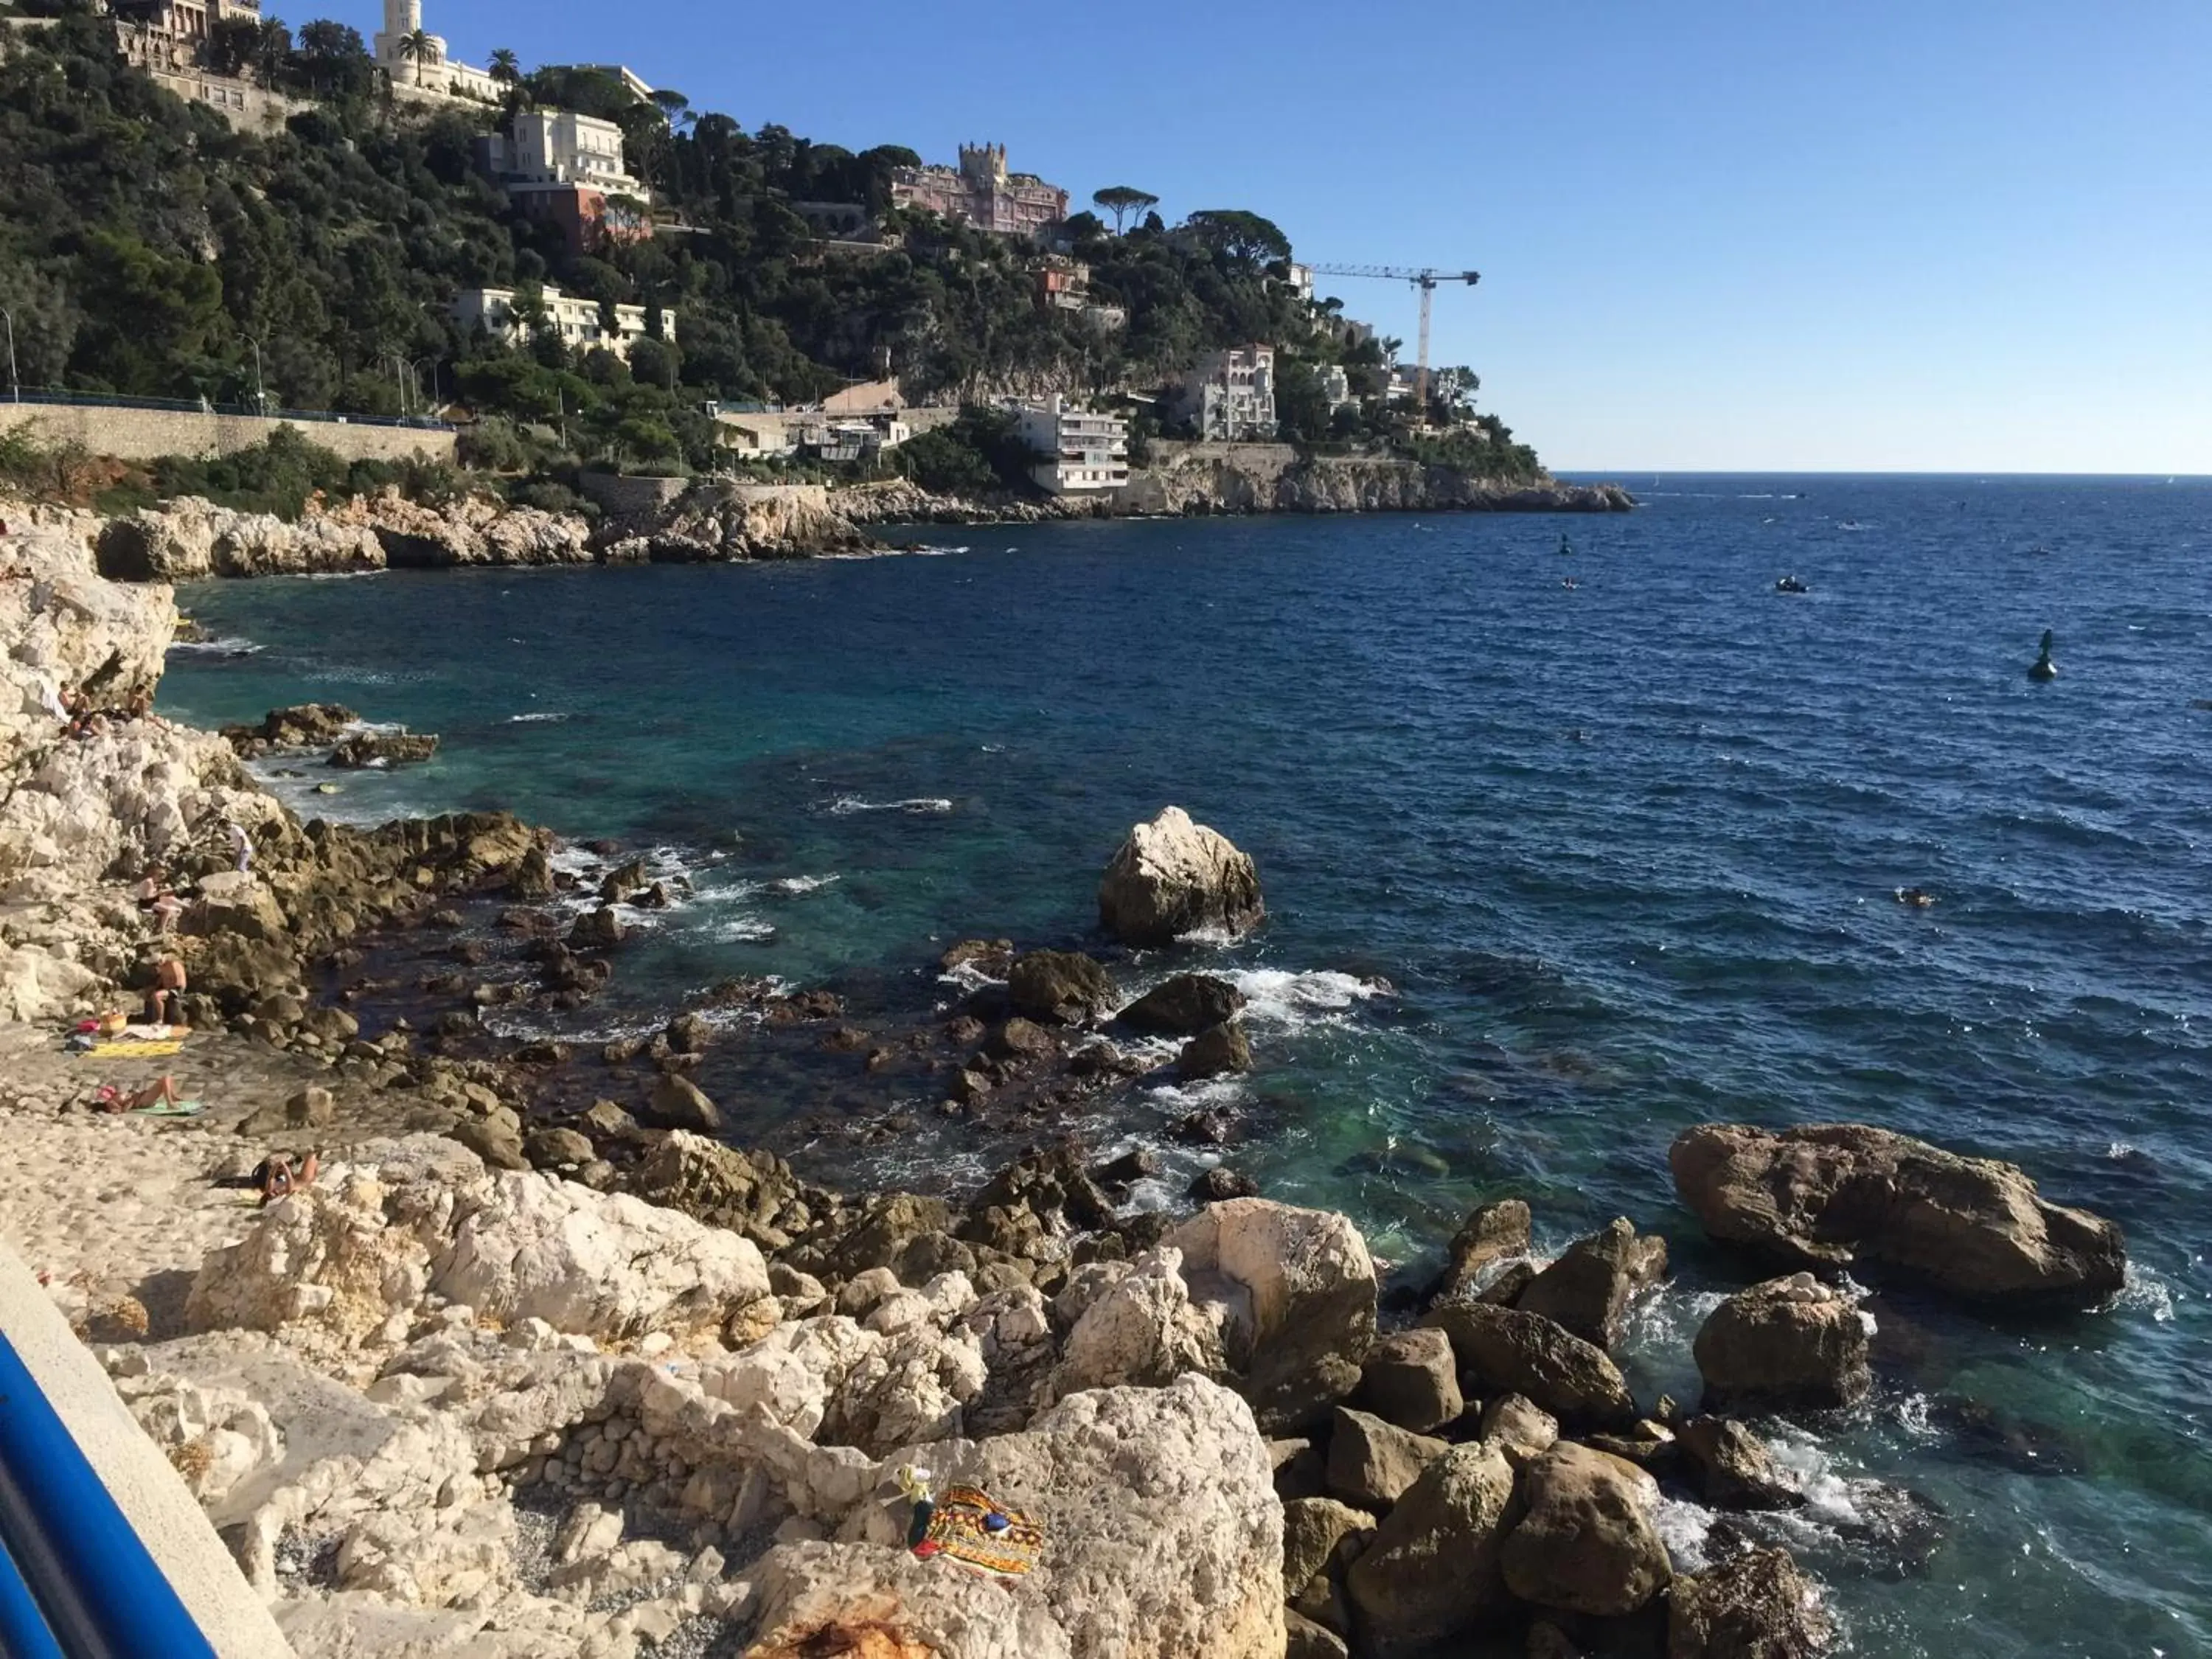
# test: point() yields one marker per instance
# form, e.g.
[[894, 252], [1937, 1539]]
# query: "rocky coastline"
[[519, 1374], [190, 539]]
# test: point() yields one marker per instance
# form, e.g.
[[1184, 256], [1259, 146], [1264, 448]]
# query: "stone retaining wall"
[[145, 434]]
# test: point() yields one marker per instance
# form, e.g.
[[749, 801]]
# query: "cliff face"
[[80, 812], [717, 521], [1203, 478]]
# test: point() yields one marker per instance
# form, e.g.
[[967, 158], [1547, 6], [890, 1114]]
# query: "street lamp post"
[[15, 385], [260, 394]]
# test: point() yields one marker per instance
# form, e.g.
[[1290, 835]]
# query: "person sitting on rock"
[[274, 1178], [161, 1092], [165, 1002], [159, 900], [242, 844]]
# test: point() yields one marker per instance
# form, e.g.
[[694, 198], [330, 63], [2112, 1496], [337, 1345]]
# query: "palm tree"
[[418, 47], [506, 66]]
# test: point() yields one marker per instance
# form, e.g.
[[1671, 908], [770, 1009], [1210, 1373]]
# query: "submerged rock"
[[1834, 1194], [1172, 877]]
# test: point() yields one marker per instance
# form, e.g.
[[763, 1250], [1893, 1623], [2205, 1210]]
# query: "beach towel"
[[161, 1109], [135, 1051]]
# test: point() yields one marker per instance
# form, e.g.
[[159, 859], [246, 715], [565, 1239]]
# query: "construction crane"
[[1426, 281]]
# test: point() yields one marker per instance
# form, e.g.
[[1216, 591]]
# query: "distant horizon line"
[[1616, 473]]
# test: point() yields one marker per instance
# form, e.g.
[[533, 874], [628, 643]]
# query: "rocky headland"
[[522, 1374], [189, 540]]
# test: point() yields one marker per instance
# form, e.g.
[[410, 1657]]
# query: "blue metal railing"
[[188, 406], [75, 1581]]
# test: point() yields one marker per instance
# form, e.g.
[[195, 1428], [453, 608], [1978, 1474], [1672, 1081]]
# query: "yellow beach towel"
[[133, 1050]]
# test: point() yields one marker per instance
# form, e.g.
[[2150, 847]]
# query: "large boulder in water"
[[1173, 877], [1061, 986], [1587, 1289], [1754, 1606], [1184, 1005], [1789, 1343], [1834, 1194]]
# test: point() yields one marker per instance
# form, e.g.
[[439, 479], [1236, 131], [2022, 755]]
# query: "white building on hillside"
[[577, 320], [414, 57], [559, 147], [1085, 452], [1230, 396]]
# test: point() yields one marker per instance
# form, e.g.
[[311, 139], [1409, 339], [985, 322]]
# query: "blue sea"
[[1552, 872]]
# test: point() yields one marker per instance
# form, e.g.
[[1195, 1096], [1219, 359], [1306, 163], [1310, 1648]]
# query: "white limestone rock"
[[1164, 1537]]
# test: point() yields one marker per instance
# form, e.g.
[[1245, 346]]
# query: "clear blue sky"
[[1918, 235]]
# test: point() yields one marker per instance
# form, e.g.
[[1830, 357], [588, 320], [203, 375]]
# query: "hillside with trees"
[[147, 250]]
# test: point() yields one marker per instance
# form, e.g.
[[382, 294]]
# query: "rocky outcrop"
[[1195, 479], [1183, 1006], [352, 1257], [367, 749], [189, 540], [1586, 1290], [1506, 1351], [1172, 877], [1164, 1537], [717, 521], [1493, 1233], [1754, 1606], [1836, 1195], [1589, 1541], [1065, 986], [1790, 1343], [1299, 1291], [304, 726], [1431, 1573]]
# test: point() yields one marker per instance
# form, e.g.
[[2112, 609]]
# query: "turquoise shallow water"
[[1553, 873]]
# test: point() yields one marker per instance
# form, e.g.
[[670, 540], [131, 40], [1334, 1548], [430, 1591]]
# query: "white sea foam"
[[1275, 996], [2143, 1291], [846, 806], [797, 884], [547, 719], [1683, 1527], [226, 646], [744, 930], [2119, 1149], [966, 978]]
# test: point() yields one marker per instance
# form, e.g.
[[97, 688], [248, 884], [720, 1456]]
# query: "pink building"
[[982, 193]]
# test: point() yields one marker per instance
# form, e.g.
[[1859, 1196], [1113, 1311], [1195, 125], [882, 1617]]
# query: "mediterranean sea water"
[[1553, 873]]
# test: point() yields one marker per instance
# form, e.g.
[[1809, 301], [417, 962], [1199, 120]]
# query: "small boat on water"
[[1792, 585]]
